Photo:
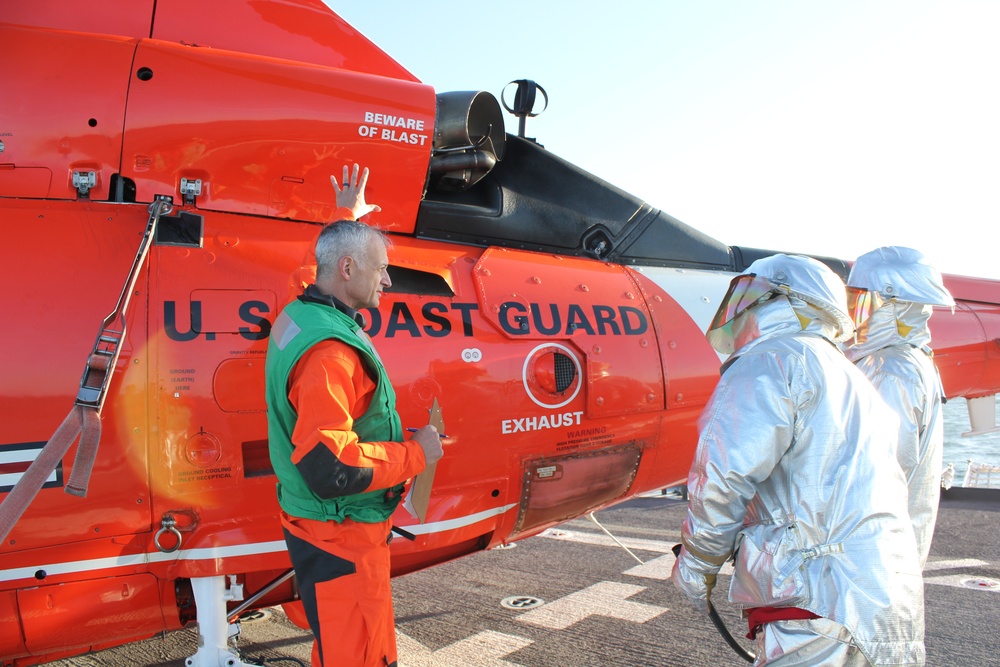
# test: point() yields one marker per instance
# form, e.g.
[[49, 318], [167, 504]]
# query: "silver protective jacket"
[[892, 351], [795, 469]]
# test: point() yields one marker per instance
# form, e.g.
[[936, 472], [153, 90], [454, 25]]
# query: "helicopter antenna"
[[524, 101]]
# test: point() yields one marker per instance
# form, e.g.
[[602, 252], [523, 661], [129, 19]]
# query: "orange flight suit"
[[343, 568]]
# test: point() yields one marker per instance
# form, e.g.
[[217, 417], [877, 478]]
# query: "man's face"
[[369, 278]]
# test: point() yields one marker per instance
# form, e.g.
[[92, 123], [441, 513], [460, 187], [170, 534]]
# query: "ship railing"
[[982, 476]]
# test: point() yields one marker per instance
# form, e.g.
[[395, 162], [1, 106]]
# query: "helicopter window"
[[412, 281]]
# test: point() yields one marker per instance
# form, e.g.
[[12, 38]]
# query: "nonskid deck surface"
[[602, 608]]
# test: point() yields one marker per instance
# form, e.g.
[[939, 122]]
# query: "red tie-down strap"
[[82, 421]]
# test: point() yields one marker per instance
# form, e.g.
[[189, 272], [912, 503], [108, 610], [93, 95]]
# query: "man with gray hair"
[[337, 445]]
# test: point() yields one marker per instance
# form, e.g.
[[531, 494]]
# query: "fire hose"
[[719, 623]]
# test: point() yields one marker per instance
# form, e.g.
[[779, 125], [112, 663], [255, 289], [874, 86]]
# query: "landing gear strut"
[[214, 629]]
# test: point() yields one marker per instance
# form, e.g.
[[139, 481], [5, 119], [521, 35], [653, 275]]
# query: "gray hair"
[[345, 238]]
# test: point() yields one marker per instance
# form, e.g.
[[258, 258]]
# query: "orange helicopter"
[[162, 179]]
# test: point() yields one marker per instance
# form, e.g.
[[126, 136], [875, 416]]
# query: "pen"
[[412, 430]]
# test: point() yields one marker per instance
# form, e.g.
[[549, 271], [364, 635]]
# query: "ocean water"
[[960, 450]]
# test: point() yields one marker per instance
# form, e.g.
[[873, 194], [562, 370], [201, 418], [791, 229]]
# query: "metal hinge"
[[190, 188], [83, 181]]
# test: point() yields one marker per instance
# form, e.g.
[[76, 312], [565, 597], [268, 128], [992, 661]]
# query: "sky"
[[826, 128]]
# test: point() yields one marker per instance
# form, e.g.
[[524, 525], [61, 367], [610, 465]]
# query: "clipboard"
[[420, 491]]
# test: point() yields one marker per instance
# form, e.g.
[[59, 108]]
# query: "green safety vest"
[[301, 325]]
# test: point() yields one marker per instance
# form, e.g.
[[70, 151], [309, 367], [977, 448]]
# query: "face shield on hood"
[[893, 273], [790, 275]]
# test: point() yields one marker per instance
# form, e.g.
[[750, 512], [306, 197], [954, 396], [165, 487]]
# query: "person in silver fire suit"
[[795, 477], [891, 294]]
